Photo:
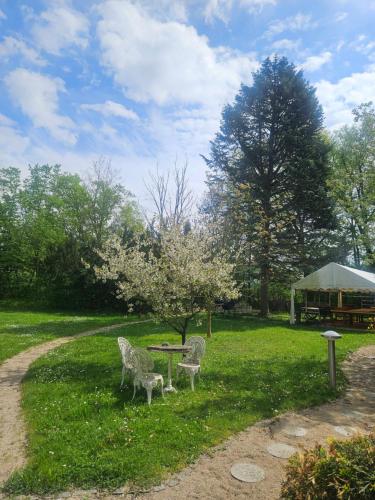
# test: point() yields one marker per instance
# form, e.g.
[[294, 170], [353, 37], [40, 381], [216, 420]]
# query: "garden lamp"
[[331, 337]]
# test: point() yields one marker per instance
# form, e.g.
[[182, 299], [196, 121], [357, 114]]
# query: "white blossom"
[[177, 274]]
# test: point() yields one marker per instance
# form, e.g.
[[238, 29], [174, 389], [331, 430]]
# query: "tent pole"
[[292, 318], [339, 301]]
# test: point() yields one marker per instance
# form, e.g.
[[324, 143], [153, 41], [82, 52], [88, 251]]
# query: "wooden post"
[[209, 322]]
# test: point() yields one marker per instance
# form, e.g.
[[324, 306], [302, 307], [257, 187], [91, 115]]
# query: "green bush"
[[344, 470]]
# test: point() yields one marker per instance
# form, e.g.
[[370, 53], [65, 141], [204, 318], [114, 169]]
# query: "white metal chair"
[[191, 362], [142, 366], [125, 349]]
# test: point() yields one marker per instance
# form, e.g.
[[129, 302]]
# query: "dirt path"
[[12, 371]]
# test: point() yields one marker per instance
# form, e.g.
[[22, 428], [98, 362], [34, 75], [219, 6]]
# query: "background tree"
[[174, 274], [353, 183], [269, 151], [172, 204], [10, 232], [49, 222]]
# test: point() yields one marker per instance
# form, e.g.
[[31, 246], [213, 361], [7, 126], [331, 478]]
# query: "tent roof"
[[337, 277]]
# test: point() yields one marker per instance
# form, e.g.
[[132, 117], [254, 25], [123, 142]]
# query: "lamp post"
[[331, 337]]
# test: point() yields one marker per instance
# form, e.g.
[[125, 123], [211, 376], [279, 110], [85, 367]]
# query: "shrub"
[[344, 470]]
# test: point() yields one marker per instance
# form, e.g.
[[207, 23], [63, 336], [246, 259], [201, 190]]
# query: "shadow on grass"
[[57, 328], [258, 387], [255, 322], [33, 306]]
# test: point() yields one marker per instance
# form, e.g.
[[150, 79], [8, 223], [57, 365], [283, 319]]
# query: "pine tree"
[[273, 154]]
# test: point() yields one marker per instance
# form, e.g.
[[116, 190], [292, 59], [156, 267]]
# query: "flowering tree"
[[176, 274]]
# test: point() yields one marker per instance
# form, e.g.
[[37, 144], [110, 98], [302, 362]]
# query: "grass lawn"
[[21, 329], [84, 432]]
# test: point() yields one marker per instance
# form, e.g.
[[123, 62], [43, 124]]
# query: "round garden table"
[[170, 350]]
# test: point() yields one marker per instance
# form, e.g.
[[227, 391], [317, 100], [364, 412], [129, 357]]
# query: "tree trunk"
[[265, 263], [183, 337], [209, 322], [264, 288]]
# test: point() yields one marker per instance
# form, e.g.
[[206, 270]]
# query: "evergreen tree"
[[271, 152]]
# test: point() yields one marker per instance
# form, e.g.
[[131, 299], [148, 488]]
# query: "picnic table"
[[359, 314], [170, 350]]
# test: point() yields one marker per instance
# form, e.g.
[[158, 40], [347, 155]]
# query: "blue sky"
[[143, 82]]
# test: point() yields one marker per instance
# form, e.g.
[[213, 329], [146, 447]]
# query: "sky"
[[143, 82]]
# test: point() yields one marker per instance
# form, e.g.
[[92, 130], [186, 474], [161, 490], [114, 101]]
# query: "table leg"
[[169, 387]]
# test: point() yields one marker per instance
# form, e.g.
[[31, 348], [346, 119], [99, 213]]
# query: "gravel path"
[[210, 477], [12, 371]]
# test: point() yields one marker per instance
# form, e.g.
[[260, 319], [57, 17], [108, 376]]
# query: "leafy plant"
[[344, 470]]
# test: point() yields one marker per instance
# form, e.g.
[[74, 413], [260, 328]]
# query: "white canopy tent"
[[334, 278]]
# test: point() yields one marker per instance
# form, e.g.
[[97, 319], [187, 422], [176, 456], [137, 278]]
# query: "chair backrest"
[[198, 348], [141, 361], [125, 349]]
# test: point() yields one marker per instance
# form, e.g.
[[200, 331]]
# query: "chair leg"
[[162, 388], [135, 390], [149, 394], [192, 380], [123, 377]]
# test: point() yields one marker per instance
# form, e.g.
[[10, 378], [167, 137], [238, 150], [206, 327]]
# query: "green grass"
[[20, 329], [84, 432]]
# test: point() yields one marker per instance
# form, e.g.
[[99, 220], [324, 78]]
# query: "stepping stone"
[[281, 450], [160, 487], [248, 473], [295, 431], [353, 414], [344, 430]]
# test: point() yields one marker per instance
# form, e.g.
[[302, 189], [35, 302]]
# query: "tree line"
[[51, 222], [284, 197]]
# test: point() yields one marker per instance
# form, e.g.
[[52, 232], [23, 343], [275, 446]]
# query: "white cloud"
[[363, 45], [111, 108], [60, 27], [184, 80], [12, 143], [166, 9], [166, 62], [299, 22], [37, 96], [221, 9], [314, 63], [2, 15], [338, 99], [184, 133], [11, 46], [340, 45], [6, 122], [181, 10], [256, 5], [340, 16], [218, 9], [285, 44]]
